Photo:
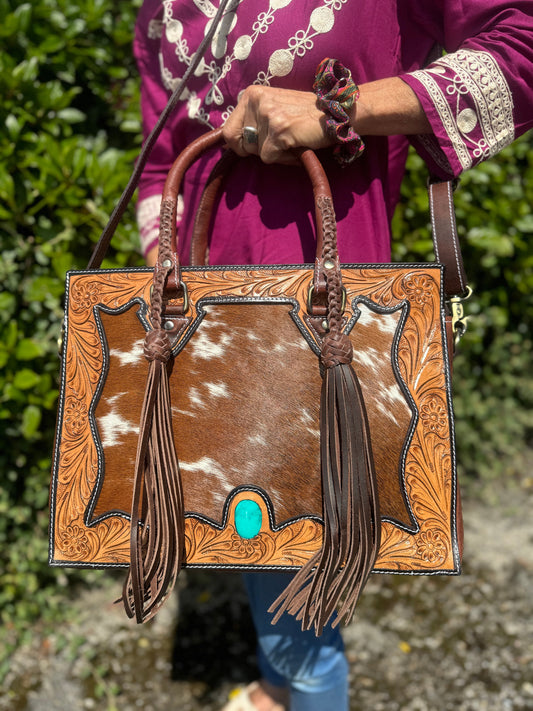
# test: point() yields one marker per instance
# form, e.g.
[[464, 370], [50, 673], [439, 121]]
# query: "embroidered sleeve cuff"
[[470, 107], [148, 220]]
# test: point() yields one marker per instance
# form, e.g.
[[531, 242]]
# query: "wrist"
[[387, 107]]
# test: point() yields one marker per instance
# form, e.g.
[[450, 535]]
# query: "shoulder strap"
[[445, 238], [102, 245]]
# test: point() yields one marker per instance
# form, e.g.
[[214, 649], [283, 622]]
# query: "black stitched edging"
[[270, 509], [252, 567], [221, 300], [59, 428], [404, 306], [262, 267], [453, 452], [141, 315]]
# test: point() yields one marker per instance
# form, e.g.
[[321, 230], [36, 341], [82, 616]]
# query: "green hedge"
[[71, 131]]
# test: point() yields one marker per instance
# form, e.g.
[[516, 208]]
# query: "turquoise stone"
[[248, 518]]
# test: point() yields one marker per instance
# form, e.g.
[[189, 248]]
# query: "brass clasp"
[[459, 320]]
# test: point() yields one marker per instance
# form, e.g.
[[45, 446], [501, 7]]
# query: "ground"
[[417, 644]]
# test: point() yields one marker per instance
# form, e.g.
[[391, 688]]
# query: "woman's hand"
[[287, 119], [284, 119]]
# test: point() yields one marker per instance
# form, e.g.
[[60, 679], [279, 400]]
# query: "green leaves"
[[68, 83], [25, 379]]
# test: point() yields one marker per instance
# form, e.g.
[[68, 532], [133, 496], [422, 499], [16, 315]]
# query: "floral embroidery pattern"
[[280, 63], [431, 547], [84, 296], [246, 547], [474, 103], [419, 288]]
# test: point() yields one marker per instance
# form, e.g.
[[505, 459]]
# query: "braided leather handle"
[[310, 162]]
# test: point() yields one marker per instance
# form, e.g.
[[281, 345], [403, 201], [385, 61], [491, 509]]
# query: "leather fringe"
[[334, 578], [157, 522]]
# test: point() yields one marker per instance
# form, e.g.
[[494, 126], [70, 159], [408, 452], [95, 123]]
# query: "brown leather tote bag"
[[291, 418]]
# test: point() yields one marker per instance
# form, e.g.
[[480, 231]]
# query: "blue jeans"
[[314, 669]]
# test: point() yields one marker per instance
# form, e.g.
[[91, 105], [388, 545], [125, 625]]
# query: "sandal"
[[240, 700]]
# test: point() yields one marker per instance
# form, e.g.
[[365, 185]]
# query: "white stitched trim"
[[454, 234], [453, 224], [469, 90]]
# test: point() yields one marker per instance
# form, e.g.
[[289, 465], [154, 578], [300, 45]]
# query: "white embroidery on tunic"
[[155, 29], [473, 78], [280, 62], [206, 7]]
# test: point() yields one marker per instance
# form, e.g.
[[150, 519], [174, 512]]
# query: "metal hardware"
[[328, 264], [61, 339], [172, 309], [250, 134], [168, 325], [310, 299], [325, 324], [459, 320], [166, 264]]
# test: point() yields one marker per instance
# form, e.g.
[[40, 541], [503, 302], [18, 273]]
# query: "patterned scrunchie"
[[336, 94]]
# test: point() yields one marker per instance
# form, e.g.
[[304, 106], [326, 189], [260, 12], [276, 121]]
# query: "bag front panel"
[[245, 390]]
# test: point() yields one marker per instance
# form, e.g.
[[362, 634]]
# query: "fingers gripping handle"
[[317, 176]]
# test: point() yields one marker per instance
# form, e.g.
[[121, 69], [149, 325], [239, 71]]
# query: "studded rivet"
[[168, 325], [167, 263], [325, 325], [329, 264]]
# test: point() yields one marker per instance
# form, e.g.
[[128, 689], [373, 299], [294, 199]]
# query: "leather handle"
[[442, 211], [204, 212], [312, 165]]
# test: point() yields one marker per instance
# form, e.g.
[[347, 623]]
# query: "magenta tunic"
[[477, 98]]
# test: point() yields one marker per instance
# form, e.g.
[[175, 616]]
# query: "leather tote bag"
[[291, 418]]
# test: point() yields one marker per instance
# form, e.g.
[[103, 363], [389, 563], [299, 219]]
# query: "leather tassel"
[[157, 522], [334, 578]]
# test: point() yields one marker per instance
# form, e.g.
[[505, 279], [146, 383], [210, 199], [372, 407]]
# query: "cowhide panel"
[[245, 402]]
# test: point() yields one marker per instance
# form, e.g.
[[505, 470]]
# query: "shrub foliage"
[[71, 131]]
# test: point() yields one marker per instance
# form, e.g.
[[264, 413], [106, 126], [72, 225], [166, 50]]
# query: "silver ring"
[[250, 134]]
